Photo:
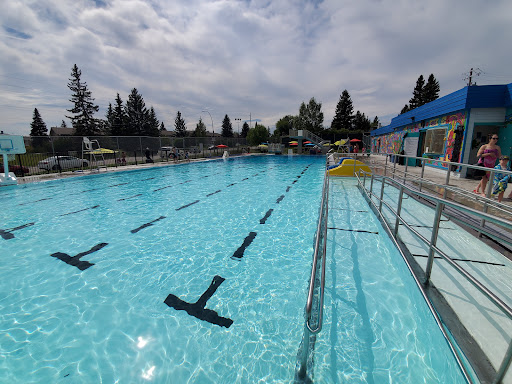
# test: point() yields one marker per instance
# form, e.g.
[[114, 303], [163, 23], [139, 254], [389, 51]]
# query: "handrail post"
[[371, 185], [433, 241], [446, 182], [394, 166], [406, 166], [386, 164], [487, 195], [381, 195], [422, 172], [398, 210]]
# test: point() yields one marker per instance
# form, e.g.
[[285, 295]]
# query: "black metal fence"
[[65, 153]]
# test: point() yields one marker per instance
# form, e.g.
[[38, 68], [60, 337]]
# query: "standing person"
[[488, 153], [501, 180]]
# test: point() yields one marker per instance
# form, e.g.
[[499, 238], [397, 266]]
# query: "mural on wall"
[[392, 143]]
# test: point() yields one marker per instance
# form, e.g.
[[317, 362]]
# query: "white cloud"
[[242, 57]]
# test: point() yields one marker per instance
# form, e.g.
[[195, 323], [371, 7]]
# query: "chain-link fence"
[[62, 153]]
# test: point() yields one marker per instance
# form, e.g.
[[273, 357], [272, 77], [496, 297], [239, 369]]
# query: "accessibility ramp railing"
[[313, 315], [440, 204]]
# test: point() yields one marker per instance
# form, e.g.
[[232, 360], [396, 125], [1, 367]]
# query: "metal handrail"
[[440, 203], [321, 233]]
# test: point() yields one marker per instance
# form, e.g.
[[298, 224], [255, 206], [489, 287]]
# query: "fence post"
[[446, 182], [422, 172], [398, 210], [135, 155]]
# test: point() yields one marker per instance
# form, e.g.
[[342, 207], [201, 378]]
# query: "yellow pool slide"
[[347, 166]]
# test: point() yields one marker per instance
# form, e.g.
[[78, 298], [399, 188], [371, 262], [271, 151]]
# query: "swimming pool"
[[192, 273]]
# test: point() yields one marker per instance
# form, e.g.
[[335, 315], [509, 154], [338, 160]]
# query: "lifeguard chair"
[[94, 150], [10, 145]]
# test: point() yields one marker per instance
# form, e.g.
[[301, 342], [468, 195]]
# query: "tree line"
[[133, 118]]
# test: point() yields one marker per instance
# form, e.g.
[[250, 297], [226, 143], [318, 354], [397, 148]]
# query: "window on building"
[[434, 141]]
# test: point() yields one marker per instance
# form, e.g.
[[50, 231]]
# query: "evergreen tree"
[[431, 90], [136, 113], [119, 119], [38, 126], [417, 94], [83, 111], [311, 117], [151, 124], [245, 129], [162, 127], [343, 115], [109, 115], [406, 108], [200, 130], [361, 122], [179, 126], [63, 124], [375, 123], [227, 128]]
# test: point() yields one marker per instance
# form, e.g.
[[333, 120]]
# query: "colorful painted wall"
[[392, 142]]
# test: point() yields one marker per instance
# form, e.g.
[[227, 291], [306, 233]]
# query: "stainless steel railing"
[[433, 249], [319, 257]]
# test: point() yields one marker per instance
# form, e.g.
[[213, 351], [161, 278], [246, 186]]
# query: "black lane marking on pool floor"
[[117, 185], [353, 230], [37, 201], [198, 309], [81, 210], [230, 185], [75, 260], [188, 205], [131, 197], [159, 189], [6, 233], [469, 261], [267, 215], [213, 193], [239, 253], [147, 225], [288, 188], [279, 199]]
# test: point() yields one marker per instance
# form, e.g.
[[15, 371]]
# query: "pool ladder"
[[318, 259]]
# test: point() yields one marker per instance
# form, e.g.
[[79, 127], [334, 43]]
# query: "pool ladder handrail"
[[440, 203], [321, 233]]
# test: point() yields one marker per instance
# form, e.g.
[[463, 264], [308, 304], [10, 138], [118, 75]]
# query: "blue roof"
[[487, 96]]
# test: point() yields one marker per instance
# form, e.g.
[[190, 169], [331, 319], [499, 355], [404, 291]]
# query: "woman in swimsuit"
[[488, 153]]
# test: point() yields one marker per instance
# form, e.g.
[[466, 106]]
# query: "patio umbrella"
[[291, 143], [340, 142], [310, 145], [354, 140], [307, 142], [222, 146], [263, 146]]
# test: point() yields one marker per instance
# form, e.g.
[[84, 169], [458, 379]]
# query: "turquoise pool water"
[[195, 273]]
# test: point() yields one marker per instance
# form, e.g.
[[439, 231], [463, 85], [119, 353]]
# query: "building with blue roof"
[[451, 128]]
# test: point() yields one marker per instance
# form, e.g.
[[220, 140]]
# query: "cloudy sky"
[[248, 59]]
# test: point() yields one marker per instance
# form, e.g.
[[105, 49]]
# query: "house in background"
[[451, 128]]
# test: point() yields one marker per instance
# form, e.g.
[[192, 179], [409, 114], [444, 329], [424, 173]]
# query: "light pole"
[[238, 121], [205, 110]]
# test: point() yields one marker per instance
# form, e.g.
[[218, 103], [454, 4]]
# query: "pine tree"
[[179, 126], [343, 115], [375, 123], [119, 119], [136, 113], [200, 130], [406, 108], [109, 116], [162, 127], [361, 122], [151, 124], [245, 129], [227, 128], [83, 111], [417, 94], [38, 126], [63, 124], [431, 90]]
